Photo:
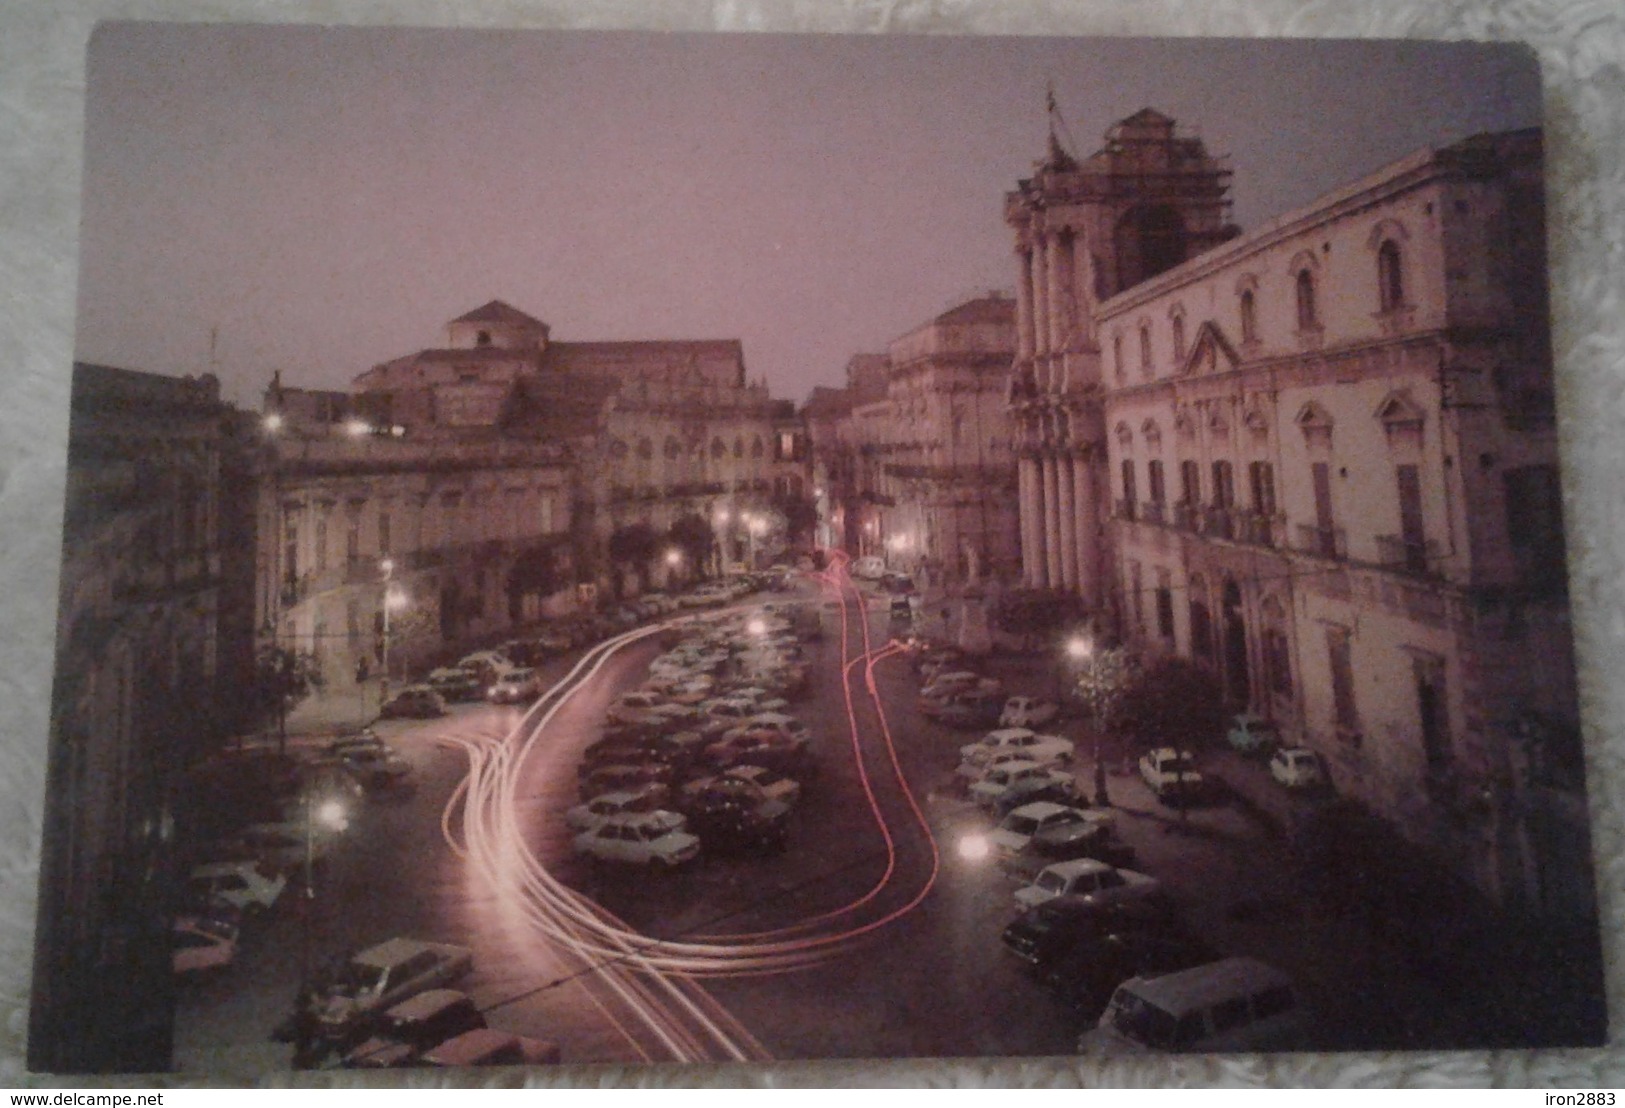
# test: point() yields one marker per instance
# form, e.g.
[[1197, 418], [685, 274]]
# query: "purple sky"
[[329, 198]]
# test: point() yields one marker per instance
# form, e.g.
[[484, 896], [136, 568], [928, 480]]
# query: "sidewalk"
[[329, 710]]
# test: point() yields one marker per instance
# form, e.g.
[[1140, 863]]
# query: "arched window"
[[739, 446], [756, 447], [717, 448], [1145, 348], [1307, 319], [1249, 316], [1117, 357], [1390, 279], [1179, 338]]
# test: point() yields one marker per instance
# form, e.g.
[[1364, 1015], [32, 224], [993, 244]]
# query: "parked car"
[[943, 685], [345, 1006], [1089, 879], [869, 568], [1029, 790], [487, 665], [1087, 974], [284, 847], [376, 768], [1249, 734], [414, 1026], [966, 711], [364, 739], [1051, 749], [618, 777], [414, 702], [1056, 822], [774, 786], [1233, 1004], [1021, 773], [592, 813], [454, 683], [732, 825], [1027, 711], [515, 686], [1097, 840], [1297, 767], [641, 839], [1047, 932], [1171, 774], [490, 1047], [200, 945], [243, 884]]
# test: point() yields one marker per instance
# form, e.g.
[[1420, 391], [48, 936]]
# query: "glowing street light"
[[973, 848], [272, 422], [331, 815], [357, 428], [1080, 649]]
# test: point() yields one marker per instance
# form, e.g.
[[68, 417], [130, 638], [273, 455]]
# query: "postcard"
[[597, 548]]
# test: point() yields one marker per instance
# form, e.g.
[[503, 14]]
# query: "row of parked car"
[[391, 1005], [506, 673], [295, 814], [1102, 937], [704, 755]]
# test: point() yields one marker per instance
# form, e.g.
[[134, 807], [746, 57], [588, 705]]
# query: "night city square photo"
[[603, 547]]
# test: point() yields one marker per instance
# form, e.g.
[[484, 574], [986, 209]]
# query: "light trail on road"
[[646, 987]]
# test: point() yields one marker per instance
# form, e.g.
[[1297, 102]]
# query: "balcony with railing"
[[1419, 557], [1126, 510], [1186, 515], [1322, 542], [1258, 529], [1218, 522], [1152, 511]]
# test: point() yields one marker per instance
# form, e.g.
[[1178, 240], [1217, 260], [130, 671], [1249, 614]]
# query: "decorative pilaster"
[[1068, 523], [1086, 518], [1052, 523]]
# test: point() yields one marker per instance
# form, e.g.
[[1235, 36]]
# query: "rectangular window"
[[321, 545], [1277, 662], [352, 541], [1433, 709], [290, 550], [1341, 665], [1261, 479], [1154, 472], [1325, 526], [1134, 585], [1224, 492], [1128, 483], [1190, 483], [1411, 531]]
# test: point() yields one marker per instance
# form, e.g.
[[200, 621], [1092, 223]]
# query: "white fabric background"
[[1581, 44]]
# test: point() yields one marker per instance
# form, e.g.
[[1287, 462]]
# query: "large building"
[[506, 477], [915, 456], [1321, 458], [138, 695]]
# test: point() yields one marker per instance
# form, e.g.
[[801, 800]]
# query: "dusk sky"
[[328, 198]]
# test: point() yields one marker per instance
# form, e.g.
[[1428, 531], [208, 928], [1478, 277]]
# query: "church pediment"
[[1211, 352]]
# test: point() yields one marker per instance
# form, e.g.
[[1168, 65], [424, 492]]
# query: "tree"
[[632, 548], [282, 678], [1103, 683], [1175, 702], [694, 536], [800, 514]]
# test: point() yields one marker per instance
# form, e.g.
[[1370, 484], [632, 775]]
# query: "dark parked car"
[[414, 1026], [732, 825], [1043, 935], [1086, 976]]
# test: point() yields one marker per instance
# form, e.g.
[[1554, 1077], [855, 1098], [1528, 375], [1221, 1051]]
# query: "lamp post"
[[332, 816], [723, 544], [674, 563], [1081, 650], [393, 598]]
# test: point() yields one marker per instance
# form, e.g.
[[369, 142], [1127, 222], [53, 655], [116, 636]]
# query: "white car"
[[1042, 818], [1093, 881], [375, 768], [199, 945], [1021, 774], [869, 568], [241, 884], [775, 725], [944, 685], [1039, 748], [641, 839], [978, 769], [1297, 767], [1027, 711], [515, 686], [1170, 773], [592, 814]]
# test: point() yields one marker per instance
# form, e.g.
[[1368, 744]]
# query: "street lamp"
[[674, 562], [332, 816], [1081, 650], [393, 599]]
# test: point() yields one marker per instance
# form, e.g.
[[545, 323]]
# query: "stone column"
[[1060, 291], [1029, 519], [1068, 525], [1041, 302], [1087, 520], [1052, 522], [1025, 344]]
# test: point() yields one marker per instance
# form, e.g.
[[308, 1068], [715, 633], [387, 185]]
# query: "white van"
[[1237, 1004], [869, 568]]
